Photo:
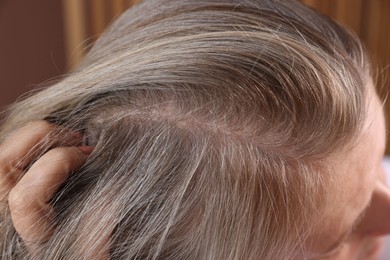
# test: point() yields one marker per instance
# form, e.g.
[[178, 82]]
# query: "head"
[[222, 130]]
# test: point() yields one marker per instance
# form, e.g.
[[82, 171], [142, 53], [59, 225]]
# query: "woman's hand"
[[28, 181]]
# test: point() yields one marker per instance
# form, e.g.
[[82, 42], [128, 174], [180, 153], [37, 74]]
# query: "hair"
[[212, 122]]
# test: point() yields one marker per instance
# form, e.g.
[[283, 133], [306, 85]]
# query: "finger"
[[16, 151], [31, 213], [22, 141]]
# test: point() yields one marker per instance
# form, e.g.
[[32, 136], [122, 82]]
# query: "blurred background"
[[43, 39]]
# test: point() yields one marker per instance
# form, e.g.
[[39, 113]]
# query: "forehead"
[[353, 173], [358, 167]]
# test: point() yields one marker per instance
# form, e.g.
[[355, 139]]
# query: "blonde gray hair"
[[212, 121]]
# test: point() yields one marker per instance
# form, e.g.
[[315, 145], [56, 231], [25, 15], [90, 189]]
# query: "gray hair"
[[212, 122]]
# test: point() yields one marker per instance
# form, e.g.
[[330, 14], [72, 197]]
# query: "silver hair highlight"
[[212, 123]]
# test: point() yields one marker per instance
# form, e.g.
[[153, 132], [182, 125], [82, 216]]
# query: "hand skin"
[[29, 188]]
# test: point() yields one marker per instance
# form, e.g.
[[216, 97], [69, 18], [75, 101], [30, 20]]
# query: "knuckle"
[[18, 200], [40, 125], [58, 154], [41, 131], [67, 156]]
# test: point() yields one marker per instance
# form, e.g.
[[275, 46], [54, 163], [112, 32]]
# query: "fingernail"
[[86, 149]]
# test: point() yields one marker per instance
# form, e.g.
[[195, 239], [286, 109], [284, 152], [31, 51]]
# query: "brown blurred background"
[[43, 39]]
